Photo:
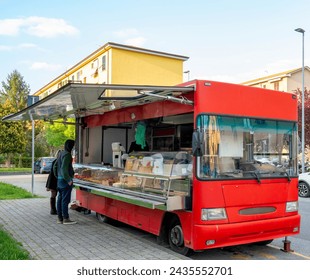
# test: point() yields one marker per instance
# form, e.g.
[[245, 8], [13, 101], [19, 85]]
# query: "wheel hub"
[[177, 236]]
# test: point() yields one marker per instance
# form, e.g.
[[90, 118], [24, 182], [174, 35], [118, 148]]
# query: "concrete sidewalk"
[[30, 223]]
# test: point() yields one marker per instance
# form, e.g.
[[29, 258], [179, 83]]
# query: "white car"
[[304, 184]]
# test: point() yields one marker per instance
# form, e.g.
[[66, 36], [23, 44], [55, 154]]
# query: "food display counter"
[[152, 180]]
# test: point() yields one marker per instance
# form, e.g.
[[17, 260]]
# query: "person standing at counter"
[[134, 147], [51, 185], [140, 144], [65, 173]]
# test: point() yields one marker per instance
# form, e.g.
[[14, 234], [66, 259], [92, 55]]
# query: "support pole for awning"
[[32, 153]]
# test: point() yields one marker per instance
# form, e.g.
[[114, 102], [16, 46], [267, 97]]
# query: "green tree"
[[15, 91], [12, 134], [57, 133], [41, 147], [13, 97]]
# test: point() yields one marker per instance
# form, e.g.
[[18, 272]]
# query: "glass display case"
[[163, 178], [165, 173], [97, 173]]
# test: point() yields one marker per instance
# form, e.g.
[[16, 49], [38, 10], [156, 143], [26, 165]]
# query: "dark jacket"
[[51, 182], [64, 168], [134, 147]]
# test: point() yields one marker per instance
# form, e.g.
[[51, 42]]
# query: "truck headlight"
[[211, 214], [291, 206]]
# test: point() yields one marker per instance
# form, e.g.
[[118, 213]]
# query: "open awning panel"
[[90, 99]]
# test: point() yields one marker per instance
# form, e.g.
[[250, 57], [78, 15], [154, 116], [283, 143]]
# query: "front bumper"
[[243, 233]]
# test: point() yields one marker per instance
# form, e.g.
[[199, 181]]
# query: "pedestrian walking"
[[65, 173]]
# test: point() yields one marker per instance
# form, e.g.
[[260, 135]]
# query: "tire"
[[263, 243], [303, 189], [102, 218], [176, 238]]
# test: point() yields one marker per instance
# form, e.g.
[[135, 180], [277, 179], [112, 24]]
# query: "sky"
[[225, 40]]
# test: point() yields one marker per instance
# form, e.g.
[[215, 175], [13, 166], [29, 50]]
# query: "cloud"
[[19, 47], [131, 36], [10, 26], [126, 32], [5, 48], [137, 41], [37, 26], [45, 66], [49, 27], [27, 46]]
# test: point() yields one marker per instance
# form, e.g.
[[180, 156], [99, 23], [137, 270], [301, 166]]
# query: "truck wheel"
[[176, 238], [303, 189], [101, 218], [263, 243]]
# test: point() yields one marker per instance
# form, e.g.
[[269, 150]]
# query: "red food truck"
[[216, 164]]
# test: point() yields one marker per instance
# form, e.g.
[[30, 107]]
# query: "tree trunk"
[[8, 160], [20, 161]]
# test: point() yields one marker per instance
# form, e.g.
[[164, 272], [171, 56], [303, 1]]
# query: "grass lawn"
[[14, 169], [8, 191], [10, 249]]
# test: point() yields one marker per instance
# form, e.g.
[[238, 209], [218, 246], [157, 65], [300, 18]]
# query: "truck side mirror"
[[197, 144]]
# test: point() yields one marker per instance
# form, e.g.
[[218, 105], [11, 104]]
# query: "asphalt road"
[[300, 244]]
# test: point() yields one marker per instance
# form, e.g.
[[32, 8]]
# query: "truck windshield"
[[236, 147]]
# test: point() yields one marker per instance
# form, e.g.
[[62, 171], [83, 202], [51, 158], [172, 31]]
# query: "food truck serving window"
[[236, 147]]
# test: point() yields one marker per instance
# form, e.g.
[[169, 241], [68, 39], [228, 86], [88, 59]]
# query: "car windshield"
[[48, 160], [236, 147]]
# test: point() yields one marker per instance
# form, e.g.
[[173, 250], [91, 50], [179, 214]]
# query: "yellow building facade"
[[121, 64]]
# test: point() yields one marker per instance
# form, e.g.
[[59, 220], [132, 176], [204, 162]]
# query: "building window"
[[78, 75], [276, 85], [84, 80], [95, 64], [104, 63], [72, 78]]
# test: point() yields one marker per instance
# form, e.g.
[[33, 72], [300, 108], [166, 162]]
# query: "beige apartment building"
[[287, 81]]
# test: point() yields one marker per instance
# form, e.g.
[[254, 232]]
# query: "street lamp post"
[[187, 72], [300, 30]]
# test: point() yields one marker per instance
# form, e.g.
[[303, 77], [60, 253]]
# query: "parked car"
[[304, 184], [43, 165]]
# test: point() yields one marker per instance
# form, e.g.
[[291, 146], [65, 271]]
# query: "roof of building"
[[142, 50], [274, 76]]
